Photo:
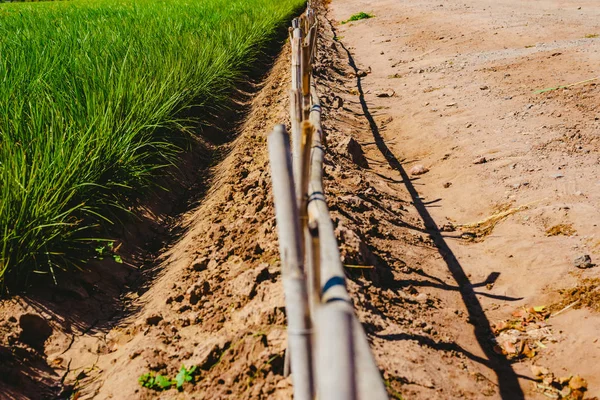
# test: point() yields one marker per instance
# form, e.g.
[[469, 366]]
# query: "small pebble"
[[422, 298], [480, 160], [418, 170], [583, 262], [577, 383]]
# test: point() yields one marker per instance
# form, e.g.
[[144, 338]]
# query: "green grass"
[[358, 17], [592, 36], [90, 99]]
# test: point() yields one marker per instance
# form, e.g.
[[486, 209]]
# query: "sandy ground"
[[463, 77], [438, 86]]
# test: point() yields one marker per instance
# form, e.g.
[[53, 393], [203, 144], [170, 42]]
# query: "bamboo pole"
[[295, 23], [296, 99], [294, 283], [307, 135], [336, 377], [333, 281], [296, 58], [313, 41], [312, 256], [295, 121], [302, 199], [310, 14], [312, 272], [332, 277], [306, 72]]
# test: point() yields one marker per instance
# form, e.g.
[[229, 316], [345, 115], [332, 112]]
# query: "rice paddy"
[[91, 96]]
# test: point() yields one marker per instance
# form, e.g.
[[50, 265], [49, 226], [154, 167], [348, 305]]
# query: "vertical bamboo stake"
[[313, 265], [294, 283], [302, 201], [295, 120], [296, 58], [295, 23], [306, 71], [302, 194], [313, 42], [302, 23], [295, 100]]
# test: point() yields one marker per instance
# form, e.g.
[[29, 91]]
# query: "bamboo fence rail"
[[328, 351]]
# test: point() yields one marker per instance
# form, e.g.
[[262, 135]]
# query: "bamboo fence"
[[328, 352]]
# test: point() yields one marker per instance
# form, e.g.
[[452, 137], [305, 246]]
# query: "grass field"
[[86, 87]]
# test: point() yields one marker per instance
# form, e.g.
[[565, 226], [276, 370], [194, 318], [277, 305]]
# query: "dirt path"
[[461, 79]]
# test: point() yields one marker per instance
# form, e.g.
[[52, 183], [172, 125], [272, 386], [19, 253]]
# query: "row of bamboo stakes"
[[328, 352]]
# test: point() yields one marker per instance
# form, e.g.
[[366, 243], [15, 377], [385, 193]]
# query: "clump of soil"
[[568, 387], [585, 294], [561, 229]]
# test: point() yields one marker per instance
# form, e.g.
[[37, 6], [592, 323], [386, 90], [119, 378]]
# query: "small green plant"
[[184, 375], [108, 250], [155, 382], [160, 382], [591, 36], [359, 16]]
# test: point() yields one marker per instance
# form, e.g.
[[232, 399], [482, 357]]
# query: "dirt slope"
[[214, 303]]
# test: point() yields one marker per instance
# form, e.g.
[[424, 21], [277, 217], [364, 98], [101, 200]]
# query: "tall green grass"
[[85, 90]]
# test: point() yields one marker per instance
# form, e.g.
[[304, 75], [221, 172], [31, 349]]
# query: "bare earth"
[[463, 75], [444, 265]]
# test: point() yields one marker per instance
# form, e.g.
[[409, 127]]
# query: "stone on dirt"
[[577, 383], [200, 264], [337, 102], [585, 261], [197, 290], [153, 319], [385, 93], [536, 370], [353, 249], [480, 160], [34, 330], [353, 149], [422, 298], [419, 170]]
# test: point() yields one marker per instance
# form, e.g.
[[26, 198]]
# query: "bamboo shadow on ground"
[[508, 382]]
